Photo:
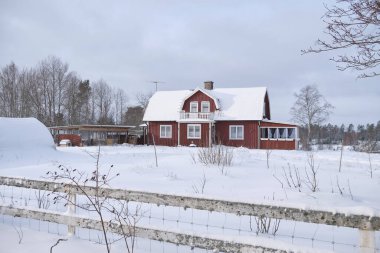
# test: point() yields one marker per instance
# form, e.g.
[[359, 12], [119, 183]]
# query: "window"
[[165, 131], [205, 106], [278, 133], [264, 133], [194, 106], [193, 131], [291, 133], [282, 133], [272, 133], [236, 132]]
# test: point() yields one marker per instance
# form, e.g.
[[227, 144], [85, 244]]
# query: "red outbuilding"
[[237, 117]]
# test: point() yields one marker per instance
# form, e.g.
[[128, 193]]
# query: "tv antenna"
[[156, 83]]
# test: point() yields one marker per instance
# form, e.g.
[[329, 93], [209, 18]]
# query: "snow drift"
[[24, 140]]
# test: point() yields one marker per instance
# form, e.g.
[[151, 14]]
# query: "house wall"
[[154, 129], [204, 141], [199, 97], [222, 132], [279, 143]]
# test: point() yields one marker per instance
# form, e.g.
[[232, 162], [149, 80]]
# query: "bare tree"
[[352, 24], [9, 90], [120, 100], [310, 108], [72, 102], [103, 102], [143, 99]]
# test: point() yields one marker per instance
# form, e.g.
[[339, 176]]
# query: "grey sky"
[[183, 43]]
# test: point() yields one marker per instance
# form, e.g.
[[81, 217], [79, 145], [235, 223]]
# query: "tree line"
[[55, 95], [334, 134]]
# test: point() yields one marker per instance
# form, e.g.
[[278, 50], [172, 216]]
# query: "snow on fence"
[[366, 225]]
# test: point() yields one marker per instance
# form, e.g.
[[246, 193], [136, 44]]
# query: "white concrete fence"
[[366, 225]]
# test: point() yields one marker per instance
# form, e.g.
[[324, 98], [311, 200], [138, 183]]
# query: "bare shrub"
[[265, 225], [58, 241], [369, 147], [292, 177], [43, 200], [20, 233], [311, 171], [219, 155], [97, 202], [200, 186], [126, 221]]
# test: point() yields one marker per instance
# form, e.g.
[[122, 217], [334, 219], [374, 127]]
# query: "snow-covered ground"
[[248, 179]]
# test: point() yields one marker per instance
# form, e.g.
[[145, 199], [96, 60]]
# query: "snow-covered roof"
[[165, 105], [240, 103], [233, 104]]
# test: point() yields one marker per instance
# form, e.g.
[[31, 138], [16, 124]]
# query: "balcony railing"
[[197, 115]]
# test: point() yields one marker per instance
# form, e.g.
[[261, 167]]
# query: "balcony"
[[196, 116]]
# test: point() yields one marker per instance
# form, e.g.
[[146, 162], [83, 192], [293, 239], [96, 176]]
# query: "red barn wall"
[[204, 141], [75, 139], [199, 97], [222, 130], [277, 144], [154, 129]]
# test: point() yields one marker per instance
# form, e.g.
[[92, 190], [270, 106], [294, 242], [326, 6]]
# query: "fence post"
[[71, 208], [367, 242]]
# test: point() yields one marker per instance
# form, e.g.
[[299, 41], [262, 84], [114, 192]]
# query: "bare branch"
[[352, 24]]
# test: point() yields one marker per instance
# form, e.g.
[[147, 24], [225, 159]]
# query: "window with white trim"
[[205, 106], [165, 131], [280, 133], [291, 133], [264, 133], [193, 131], [272, 133], [194, 106], [236, 132]]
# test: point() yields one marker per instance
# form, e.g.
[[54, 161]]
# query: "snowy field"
[[249, 179]]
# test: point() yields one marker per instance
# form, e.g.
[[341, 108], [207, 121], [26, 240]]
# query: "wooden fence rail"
[[182, 238], [367, 225]]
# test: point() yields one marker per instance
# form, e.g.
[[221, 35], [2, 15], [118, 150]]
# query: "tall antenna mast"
[[156, 82]]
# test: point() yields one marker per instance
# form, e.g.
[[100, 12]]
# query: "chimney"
[[209, 85]]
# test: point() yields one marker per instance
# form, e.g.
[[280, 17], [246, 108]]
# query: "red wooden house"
[[205, 116]]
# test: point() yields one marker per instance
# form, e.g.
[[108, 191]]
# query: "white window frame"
[[164, 134], [278, 133], [294, 133], [236, 137], [205, 103], [193, 126], [194, 103]]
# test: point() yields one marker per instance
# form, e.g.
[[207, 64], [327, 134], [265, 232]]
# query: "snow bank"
[[24, 140]]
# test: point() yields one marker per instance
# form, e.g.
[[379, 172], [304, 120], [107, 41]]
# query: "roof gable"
[[233, 103], [207, 93]]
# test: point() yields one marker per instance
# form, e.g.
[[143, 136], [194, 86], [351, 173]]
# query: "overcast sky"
[[183, 43]]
